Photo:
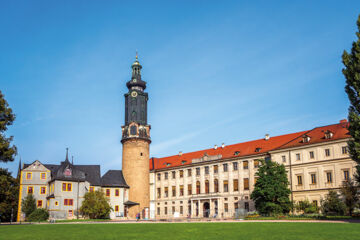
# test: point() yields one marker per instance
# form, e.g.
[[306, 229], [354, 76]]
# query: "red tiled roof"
[[259, 146]]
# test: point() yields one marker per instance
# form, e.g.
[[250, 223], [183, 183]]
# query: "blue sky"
[[217, 71]]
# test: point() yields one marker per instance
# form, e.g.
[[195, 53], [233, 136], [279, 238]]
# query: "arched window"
[[133, 130], [207, 186], [197, 187], [216, 185]]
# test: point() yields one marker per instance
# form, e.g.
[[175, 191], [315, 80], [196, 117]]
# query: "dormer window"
[[236, 153], [306, 139], [328, 134], [168, 164], [183, 162], [257, 149]]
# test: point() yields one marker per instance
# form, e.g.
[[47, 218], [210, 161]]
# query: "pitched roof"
[[113, 178], [254, 147]]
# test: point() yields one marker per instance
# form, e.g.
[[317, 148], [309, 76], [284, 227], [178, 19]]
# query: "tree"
[[332, 204], [271, 192], [95, 205], [7, 118], [9, 190], [349, 192], [28, 205], [351, 72], [40, 214]]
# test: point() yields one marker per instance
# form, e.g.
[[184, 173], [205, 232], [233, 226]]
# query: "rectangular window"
[[159, 176], [158, 211], [206, 170], [313, 178], [328, 177], [165, 210], [42, 190], [173, 174], [236, 206], [166, 176], [216, 169], [28, 176], [70, 213], [255, 180], [30, 190], [189, 189], [225, 167], [173, 191], [173, 209], [181, 210], [108, 192], [43, 176], [235, 166], [39, 203], [299, 179], [159, 192], [181, 190], [315, 203], [166, 192], [226, 207], [189, 172], [245, 164], [236, 185], [283, 158], [117, 192], [197, 171], [327, 152], [297, 157], [91, 189], [346, 175], [69, 187], [64, 187], [256, 163], [226, 186], [344, 150], [311, 155], [181, 173], [116, 208], [246, 184]]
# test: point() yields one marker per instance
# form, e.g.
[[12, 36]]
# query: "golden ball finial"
[[136, 55]]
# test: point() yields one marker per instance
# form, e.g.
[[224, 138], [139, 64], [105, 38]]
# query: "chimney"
[[215, 147], [267, 136], [223, 145], [180, 153]]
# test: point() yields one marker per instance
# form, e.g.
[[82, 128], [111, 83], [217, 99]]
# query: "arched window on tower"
[[133, 130]]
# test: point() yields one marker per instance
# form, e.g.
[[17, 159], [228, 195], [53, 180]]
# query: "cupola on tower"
[[136, 141]]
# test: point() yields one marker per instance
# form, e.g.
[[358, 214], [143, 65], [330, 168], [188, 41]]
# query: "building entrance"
[[206, 209]]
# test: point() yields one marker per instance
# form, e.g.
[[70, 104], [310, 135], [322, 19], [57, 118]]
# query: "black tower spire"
[[136, 105]]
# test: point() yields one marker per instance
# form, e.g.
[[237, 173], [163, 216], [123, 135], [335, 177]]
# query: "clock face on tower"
[[134, 94]]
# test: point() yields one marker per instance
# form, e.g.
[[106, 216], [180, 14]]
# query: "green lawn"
[[158, 231]]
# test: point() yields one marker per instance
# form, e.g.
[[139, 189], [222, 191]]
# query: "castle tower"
[[136, 141]]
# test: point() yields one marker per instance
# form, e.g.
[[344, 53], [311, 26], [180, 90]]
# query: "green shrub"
[[332, 205], [39, 215]]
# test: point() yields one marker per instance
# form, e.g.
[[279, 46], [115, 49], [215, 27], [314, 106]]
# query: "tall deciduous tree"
[[7, 152], [349, 192], [271, 192], [95, 205], [332, 204], [9, 190], [28, 205], [352, 74]]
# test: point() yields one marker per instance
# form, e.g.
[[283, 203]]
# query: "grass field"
[[183, 231]]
